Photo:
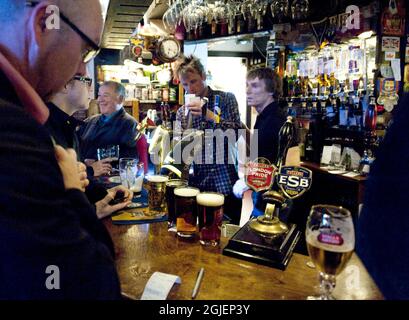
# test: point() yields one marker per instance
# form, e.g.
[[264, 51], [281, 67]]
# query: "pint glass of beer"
[[186, 211], [171, 185], [210, 212], [156, 186], [330, 242]]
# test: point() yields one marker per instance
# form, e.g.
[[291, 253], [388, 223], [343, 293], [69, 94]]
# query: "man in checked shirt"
[[221, 174]]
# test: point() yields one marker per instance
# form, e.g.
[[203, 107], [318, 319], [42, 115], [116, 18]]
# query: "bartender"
[[264, 88], [215, 176]]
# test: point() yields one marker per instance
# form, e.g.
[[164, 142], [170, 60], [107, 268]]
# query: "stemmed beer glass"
[[330, 241]]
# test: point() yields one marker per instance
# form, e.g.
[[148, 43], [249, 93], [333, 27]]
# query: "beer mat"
[[137, 216], [139, 201]]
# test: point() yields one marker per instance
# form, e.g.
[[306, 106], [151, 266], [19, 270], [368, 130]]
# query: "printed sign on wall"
[[390, 44]]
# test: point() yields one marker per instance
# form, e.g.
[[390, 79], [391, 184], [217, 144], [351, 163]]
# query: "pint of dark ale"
[[171, 185], [186, 211], [210, 212]]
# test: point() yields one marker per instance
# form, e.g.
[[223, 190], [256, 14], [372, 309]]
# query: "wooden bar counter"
[[146, 248]]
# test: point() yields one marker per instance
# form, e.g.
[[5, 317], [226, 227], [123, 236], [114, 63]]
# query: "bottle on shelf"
[[343, 113], [365, 163]]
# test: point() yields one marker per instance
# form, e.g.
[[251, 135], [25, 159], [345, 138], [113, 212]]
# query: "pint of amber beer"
[[186, 211], [210, 212], [156, 186]]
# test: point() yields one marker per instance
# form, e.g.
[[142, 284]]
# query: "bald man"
[[53, 245]]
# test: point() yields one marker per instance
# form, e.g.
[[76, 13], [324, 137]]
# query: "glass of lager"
[[156, 186], [186, 211], [330, 241], [210, 211]]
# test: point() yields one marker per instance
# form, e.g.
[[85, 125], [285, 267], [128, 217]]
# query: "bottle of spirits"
[[309, 147], [343, 113], [351, 113], [213, 25], [370, 116], [365, 163], [240, 24]]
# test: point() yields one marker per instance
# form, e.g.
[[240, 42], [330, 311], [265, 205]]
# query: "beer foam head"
[[176, 183], [157, 178], [210, 199], [186, 192]]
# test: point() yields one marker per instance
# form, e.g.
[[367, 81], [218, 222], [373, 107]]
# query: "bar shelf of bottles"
[[331, 93]]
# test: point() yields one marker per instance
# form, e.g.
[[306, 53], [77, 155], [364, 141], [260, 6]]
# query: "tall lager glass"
[[330, 242]]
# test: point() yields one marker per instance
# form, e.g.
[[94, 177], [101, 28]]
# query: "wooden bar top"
[[143, 249]]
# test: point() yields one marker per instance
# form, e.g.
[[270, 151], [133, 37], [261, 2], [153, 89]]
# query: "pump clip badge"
[[294, 181], [260, 174]]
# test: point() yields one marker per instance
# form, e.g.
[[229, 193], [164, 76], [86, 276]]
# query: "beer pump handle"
[[285, 136]]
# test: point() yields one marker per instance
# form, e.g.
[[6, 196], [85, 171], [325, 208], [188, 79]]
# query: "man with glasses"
[[54, 247], [75, 96]]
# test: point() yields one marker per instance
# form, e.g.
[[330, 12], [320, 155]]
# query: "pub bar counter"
[[144, 249]]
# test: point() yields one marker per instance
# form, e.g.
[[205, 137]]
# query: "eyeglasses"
[[86, 80], [91, 52]]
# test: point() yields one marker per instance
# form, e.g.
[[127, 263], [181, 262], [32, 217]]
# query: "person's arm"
[[46, 224], [127, 138]]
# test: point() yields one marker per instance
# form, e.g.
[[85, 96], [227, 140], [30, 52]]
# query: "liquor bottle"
[[365, 163], [309, 147], [168, 123], [343, 113], [359, 113], [251, 23], [232, 25], [370, 116], [213, 27], [240, 24], [223, 27], [351, 113]]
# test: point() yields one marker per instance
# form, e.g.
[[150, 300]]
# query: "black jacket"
[[42, 224], [382, 230], [62, 128], [119, 130]]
